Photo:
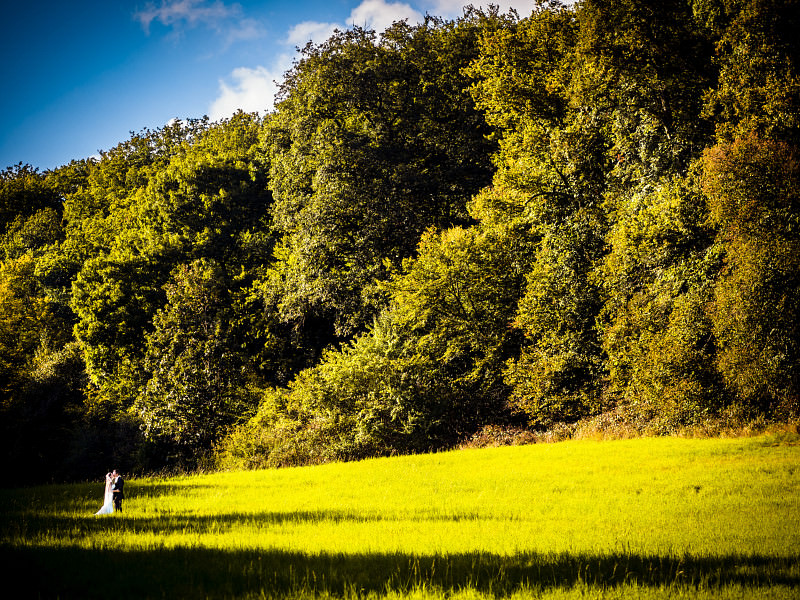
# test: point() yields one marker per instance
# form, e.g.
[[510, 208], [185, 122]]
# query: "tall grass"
[[714, 518]]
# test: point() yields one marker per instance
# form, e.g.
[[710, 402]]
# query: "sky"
[[79, 77]]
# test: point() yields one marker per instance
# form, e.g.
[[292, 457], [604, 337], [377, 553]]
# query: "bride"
[[108, 498]]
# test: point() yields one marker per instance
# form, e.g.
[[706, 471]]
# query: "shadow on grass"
[[32, 525], [198, 572], [73, 572]]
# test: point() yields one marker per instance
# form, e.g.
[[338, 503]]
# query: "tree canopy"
[[499, 221]]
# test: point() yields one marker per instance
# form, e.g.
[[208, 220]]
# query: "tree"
[[645, 66], [552, 159], [753, 186], [652, 56], [41, 376], [373, 141], [426, 374], [208, 201], [24, 320], [758, 55], [751, 181], [453, 307], [659, 277], [24, 191], [194, 390]]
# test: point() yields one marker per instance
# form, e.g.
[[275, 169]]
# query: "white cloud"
[[244, 30], [371, 14], [379, 14], [176, 13], [445, 8], [227, 21], [310, 31], [252, 90], [454, 8]]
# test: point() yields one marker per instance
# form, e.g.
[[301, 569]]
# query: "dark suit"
[[119, 493]]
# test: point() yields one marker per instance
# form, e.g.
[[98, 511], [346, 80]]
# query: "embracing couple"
[[113, 495]]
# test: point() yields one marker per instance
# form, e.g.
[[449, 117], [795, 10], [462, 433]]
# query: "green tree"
[[24, 191], [426, 374], [41, 376], [453, 307], [373, 141], [24, 320], [41, 420], [750, 180], [552, 159], [208, 200], [194, 389], [645, 66], [114, 298], [753, 187], [659, 277], [758, 55], [648, 56]]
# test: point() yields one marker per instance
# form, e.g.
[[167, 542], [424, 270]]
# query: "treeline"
[[493, 222]]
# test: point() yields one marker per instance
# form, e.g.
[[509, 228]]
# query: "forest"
[[485, 227]]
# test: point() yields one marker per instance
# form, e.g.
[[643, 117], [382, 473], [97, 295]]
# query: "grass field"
[[649, 518]]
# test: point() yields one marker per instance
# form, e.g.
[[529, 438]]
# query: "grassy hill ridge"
[[638, 518]]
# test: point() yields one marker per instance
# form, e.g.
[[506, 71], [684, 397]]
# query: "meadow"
[[645, 518]]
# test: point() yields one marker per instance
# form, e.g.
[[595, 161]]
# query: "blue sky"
[[78, 77]]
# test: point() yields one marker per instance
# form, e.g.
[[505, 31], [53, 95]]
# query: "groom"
[[117, 490]]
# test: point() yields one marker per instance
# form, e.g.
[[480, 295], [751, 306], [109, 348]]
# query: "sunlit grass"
[[656, 517]]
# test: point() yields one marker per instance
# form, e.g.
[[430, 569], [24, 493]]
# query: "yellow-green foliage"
[[648, 517], [753, 187]]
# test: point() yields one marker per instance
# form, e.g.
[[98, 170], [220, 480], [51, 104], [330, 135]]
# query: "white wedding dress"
[[108, 501]]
